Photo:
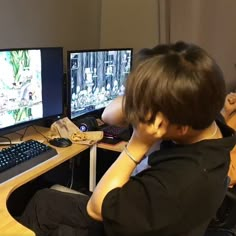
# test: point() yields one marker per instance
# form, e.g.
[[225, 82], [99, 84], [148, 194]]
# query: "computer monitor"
[[95, 78], [31, 86]]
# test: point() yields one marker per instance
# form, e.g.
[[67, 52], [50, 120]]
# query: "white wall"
[[79, 24], [73, 24], [129, 23], [218, 35], [185, 21], [211, 24]]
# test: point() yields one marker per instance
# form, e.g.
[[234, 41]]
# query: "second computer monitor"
[[95, 78]]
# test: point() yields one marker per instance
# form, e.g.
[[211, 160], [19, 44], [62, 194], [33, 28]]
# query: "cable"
[[22, 136], [40, 133], [10, 143]]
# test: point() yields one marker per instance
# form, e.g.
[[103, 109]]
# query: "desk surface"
[[8, 225], [119, 147]]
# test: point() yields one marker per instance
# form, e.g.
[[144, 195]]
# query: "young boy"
[[173, 94]]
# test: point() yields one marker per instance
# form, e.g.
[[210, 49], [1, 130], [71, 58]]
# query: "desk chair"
[[225, 222]]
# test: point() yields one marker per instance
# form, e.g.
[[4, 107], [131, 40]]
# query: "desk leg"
[[92, 167]]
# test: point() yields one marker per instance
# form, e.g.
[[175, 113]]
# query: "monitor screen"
[[95, 78], [31, 86]]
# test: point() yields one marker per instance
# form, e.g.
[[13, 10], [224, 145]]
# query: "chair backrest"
[[225, 222], [219, 232]]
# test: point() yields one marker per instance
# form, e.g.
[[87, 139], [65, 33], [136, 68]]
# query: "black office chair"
[[224, 223], [219, 232]]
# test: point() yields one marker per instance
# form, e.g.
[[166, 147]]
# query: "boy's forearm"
[[116, 176]]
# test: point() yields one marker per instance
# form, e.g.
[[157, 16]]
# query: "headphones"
[[87, 124]]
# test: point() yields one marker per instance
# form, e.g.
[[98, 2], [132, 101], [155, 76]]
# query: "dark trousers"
[[54, 213]]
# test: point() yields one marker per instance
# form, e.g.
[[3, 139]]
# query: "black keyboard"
[[21, 157]]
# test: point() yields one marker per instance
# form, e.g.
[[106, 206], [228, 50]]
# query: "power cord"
[[40, 133], [22, 135], [8, 139]]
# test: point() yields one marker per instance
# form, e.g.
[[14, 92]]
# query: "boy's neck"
[[194, 136]]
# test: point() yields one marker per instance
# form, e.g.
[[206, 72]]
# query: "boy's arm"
[[229, 108], [113, 114]]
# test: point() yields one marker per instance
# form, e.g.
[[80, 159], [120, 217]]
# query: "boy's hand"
[[147, 134], [230, 104]]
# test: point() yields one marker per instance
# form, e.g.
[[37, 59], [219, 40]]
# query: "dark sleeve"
[[221, 118], [142, 204]]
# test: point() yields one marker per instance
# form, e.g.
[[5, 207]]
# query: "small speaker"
[[87, 124]]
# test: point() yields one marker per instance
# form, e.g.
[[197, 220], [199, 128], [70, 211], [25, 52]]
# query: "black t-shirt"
[[178, 195]]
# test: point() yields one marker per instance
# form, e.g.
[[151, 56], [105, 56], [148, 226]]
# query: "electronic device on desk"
[[86, 124], [60, 142], [31, 87], [21, 157], [115, 134], [95, 78]]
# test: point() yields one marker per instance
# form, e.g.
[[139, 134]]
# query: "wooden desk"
[[8, 225], [93, 159], [119, 147]]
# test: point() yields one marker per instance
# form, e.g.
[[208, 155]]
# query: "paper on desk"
[[89, 137], [67, 129]]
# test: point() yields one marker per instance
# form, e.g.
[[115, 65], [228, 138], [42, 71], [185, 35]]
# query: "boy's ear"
[[161, 124], [182, 129]]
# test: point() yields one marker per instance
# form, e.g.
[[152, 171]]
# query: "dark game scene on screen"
[[20, 86], [97, 77]]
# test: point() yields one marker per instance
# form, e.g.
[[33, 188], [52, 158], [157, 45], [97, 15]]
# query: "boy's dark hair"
[[180, 80]]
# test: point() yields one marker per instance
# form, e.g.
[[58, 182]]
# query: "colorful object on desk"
[[67, 129], [89, 137]]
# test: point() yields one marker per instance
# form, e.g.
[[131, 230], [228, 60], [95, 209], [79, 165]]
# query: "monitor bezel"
[[95, 113], [43, 120]]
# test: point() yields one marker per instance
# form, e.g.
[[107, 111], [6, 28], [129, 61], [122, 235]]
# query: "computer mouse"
[[60, 142]]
